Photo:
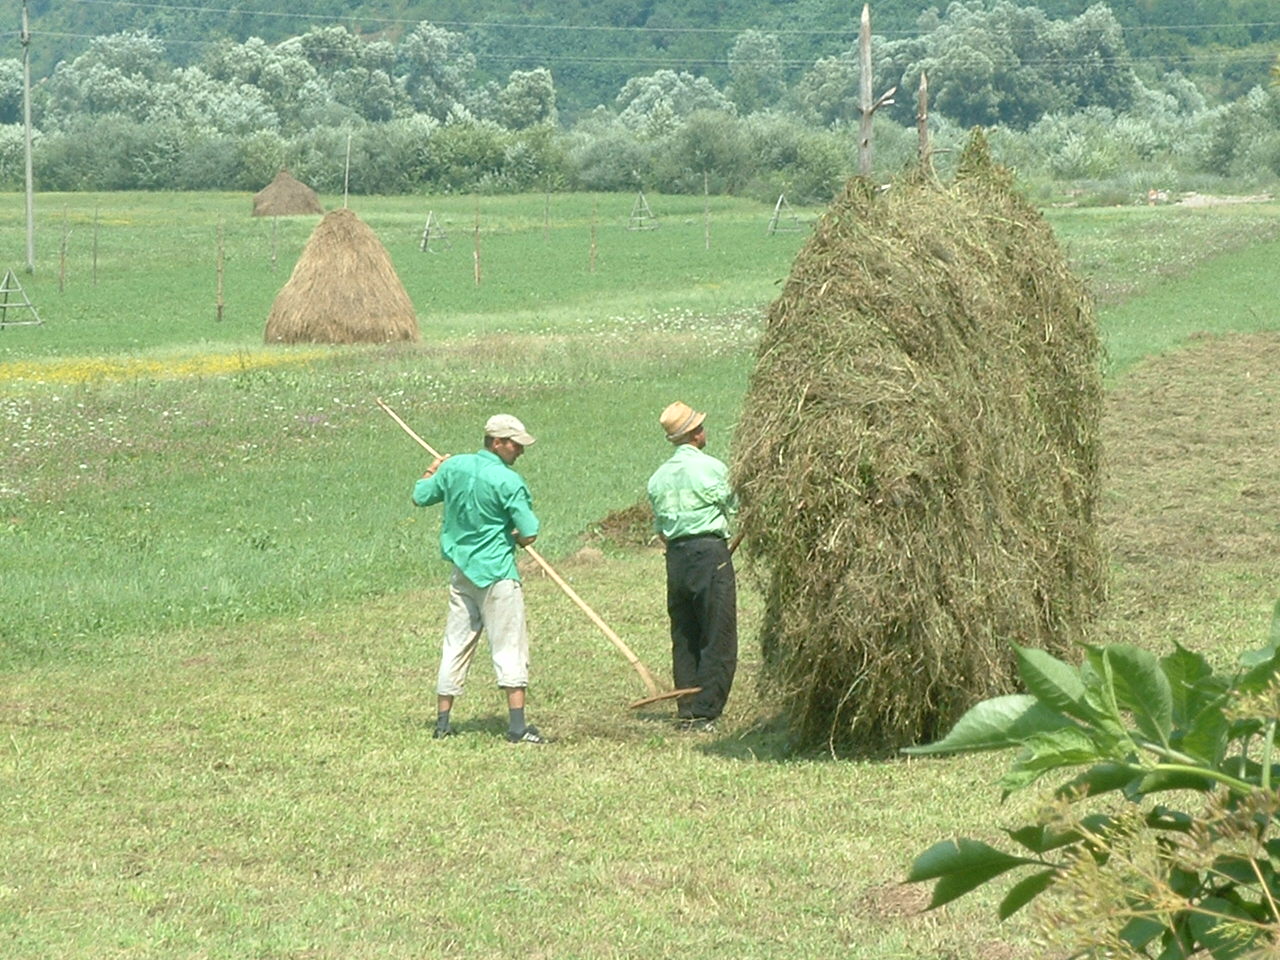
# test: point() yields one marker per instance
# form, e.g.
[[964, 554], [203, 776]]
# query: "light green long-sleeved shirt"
[[690, 495], [484, 500]]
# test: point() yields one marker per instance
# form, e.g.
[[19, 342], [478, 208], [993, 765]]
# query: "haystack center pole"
[[346, 174], [922, 119], [645, 676], [865, 103]]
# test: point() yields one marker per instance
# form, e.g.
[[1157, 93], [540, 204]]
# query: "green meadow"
[[221, 613]]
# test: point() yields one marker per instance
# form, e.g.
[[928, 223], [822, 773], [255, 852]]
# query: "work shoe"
[[530, 735], [441, 732], [697, 725]]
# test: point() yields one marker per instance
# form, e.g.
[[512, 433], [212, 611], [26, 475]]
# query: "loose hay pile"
[[342, 290], [285, 196], [918, 458]]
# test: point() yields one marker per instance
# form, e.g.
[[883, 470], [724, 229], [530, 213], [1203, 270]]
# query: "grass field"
[[221, 613]]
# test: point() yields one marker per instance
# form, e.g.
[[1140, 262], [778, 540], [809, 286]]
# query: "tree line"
[[1064, 98]]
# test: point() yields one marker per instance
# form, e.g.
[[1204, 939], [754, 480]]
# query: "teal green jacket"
[[690, 495], [484, 501]]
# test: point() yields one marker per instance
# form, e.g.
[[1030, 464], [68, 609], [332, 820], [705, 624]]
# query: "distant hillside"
[[593, 46]]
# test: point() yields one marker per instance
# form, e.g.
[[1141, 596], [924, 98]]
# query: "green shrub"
[[1141, 877]]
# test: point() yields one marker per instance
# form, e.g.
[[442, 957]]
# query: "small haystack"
[[285, 197], [343, 290], [918, 458]]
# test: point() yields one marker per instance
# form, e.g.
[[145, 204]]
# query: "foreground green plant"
[[1144, 878]]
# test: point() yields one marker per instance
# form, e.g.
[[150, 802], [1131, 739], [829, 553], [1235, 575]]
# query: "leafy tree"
[[116, 75], [13, 164], [710, 143], [330, 49], [755, 71], [435, 67], [606, 154], [1008, 64], [528, 99], [653, 104], [10, 90], [828, 92]]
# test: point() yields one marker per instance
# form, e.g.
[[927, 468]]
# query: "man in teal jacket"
[[487, 512], [692, 507]]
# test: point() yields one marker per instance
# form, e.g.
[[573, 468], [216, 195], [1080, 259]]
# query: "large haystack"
[[285, 197], [918, 458], [343, 290]]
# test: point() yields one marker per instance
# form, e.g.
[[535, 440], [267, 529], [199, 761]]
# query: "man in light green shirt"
[[487, 512], [692, 509]]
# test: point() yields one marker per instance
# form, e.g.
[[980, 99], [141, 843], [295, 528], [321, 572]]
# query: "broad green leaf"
[[995, 724], [1053, 750], [1238, 869], [1158, 781], [1024, 891], [1140, 931], [1041, 839], [1207, 736], [1142, 688], [1254, 658], [1190, 682], [1098, 779], [1100, 695], [1224, 939], [961, 856], [960, 866], [1259, 675], [1161, 817], [1056, 684]]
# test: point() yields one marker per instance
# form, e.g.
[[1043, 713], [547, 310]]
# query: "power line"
[[1224, 56], [603, 28]]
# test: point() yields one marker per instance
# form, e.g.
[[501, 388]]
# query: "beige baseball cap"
[[507, 427]]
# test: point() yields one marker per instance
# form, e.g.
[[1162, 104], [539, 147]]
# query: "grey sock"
[[516, 716], [442, 719]]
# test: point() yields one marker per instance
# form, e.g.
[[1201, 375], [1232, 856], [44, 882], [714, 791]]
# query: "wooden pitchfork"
[[654, 694]]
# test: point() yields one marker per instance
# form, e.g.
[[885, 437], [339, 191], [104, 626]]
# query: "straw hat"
[[680, 420]]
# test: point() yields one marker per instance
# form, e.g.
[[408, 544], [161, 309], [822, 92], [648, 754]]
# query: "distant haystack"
[[343, 290], [285, 197]]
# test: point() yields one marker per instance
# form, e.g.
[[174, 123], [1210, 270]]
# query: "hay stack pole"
[[343, 289]]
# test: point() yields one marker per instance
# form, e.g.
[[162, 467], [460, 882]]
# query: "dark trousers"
[[702, 601]]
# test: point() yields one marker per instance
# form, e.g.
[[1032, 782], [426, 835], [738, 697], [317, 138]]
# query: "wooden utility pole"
[[26, 126], [867, 106], [922, 120]]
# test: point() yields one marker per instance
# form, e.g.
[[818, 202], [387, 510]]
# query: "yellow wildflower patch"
[[76, 370]]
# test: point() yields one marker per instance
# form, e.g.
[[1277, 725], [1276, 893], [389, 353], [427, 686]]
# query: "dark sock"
[[442, 719], [516, 715]]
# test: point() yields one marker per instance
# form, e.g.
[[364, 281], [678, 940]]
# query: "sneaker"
[[441, 732], [530, 735]]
